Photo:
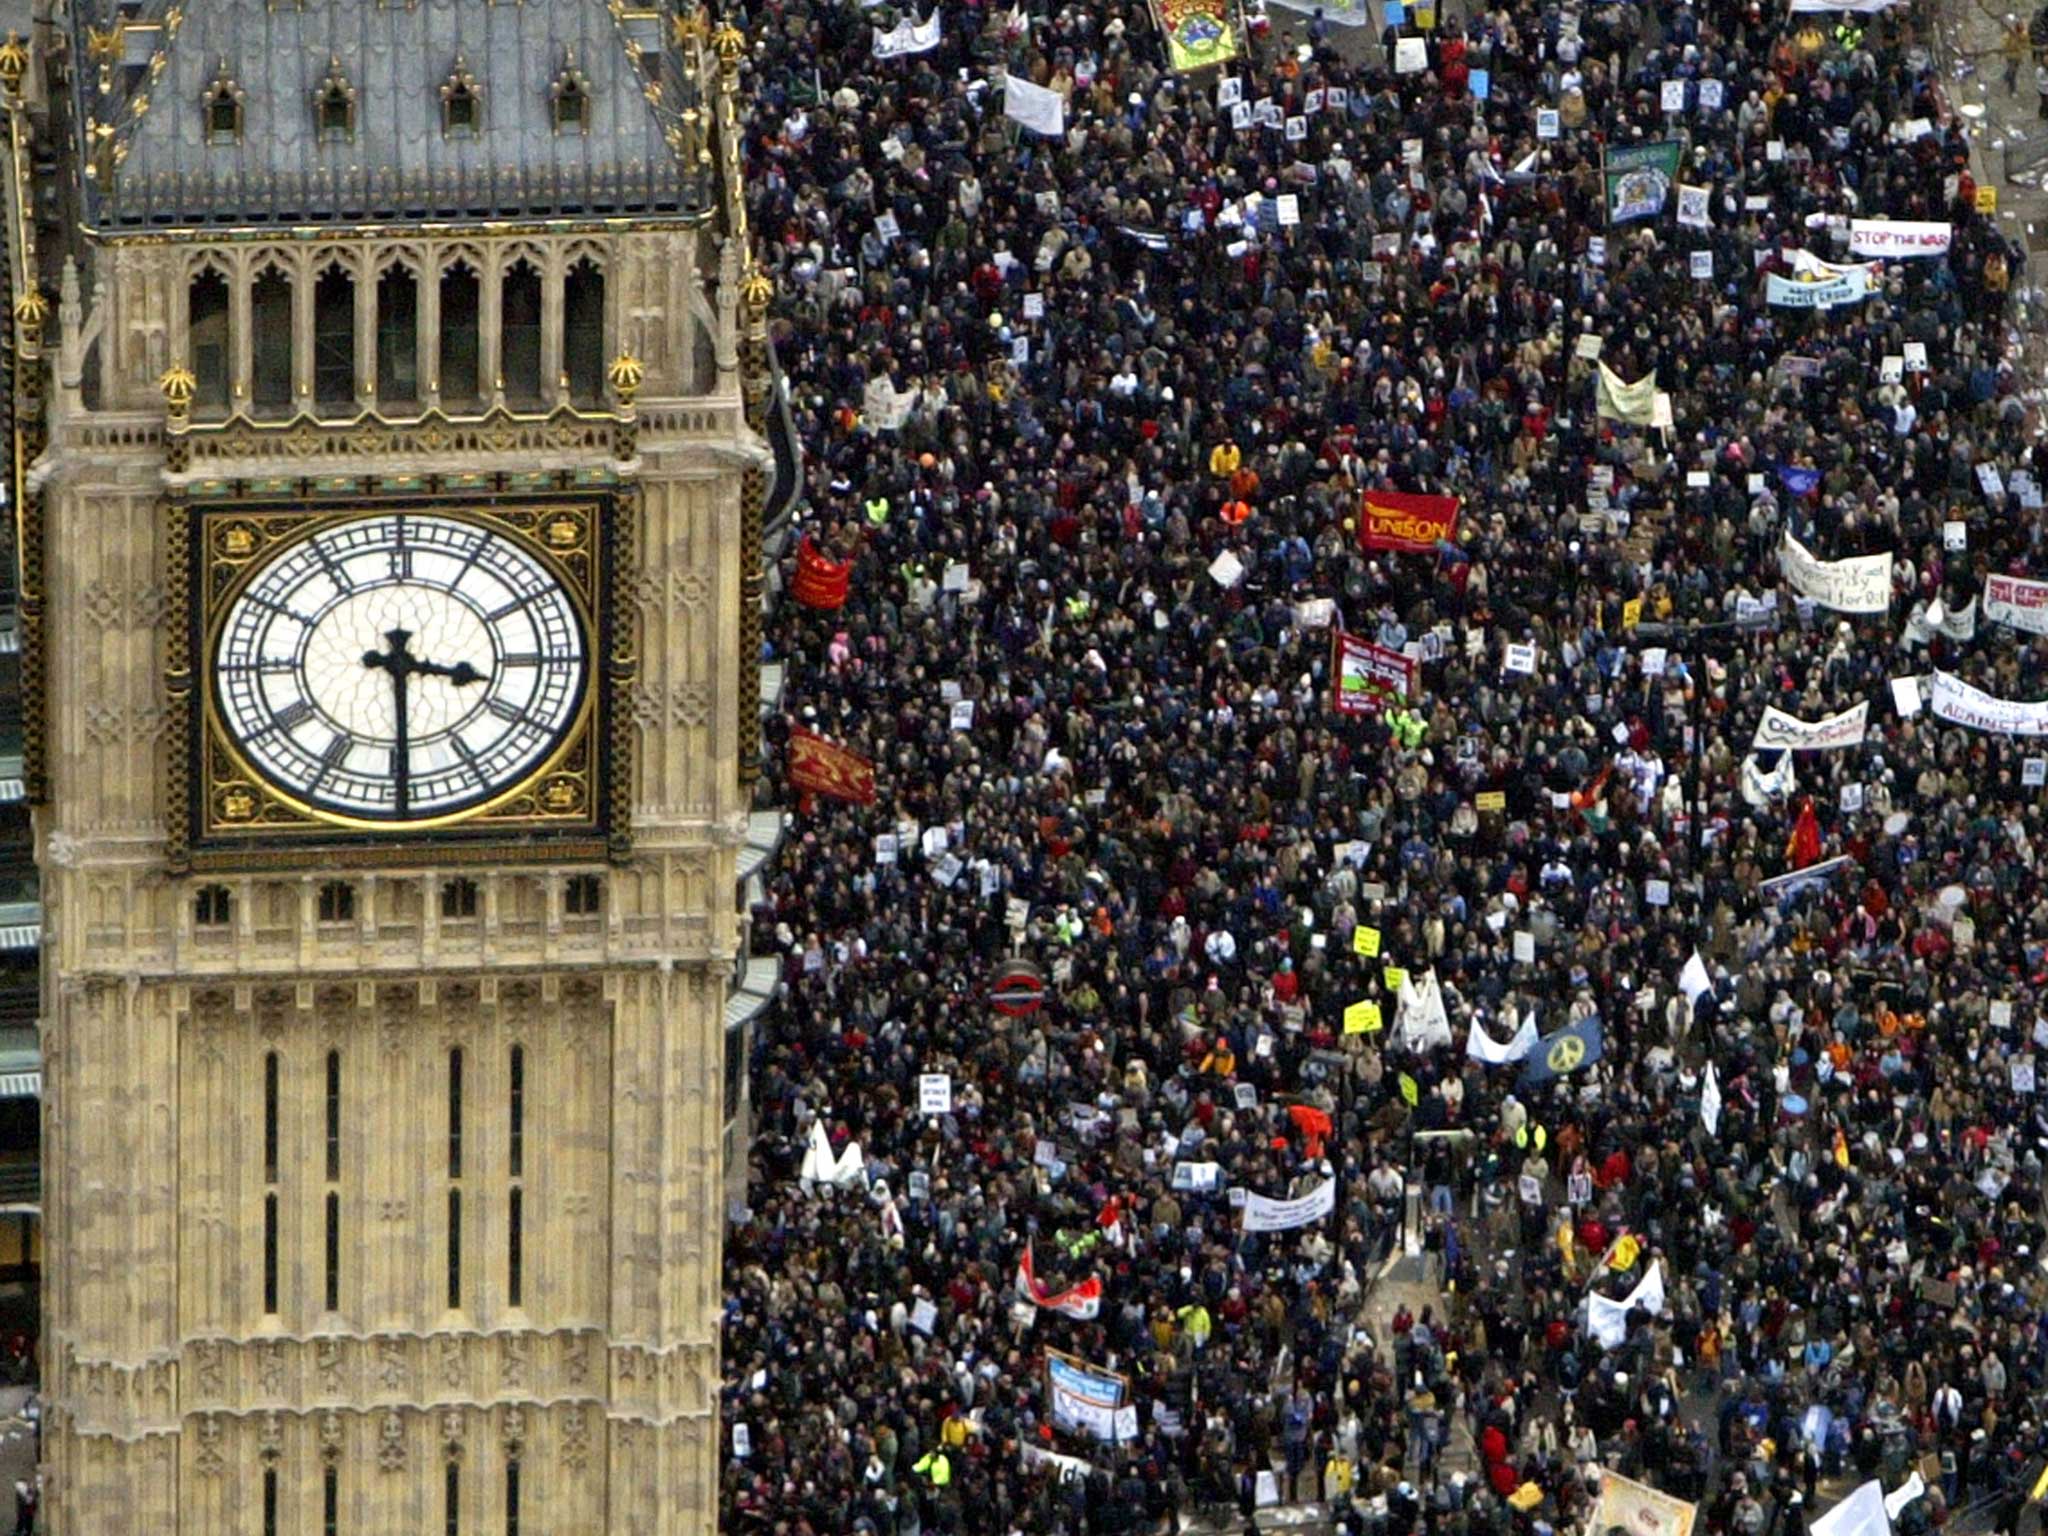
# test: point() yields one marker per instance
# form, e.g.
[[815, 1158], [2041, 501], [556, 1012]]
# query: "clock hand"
[[401, 664]]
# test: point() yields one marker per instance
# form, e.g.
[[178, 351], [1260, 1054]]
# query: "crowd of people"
[[1093, 415]]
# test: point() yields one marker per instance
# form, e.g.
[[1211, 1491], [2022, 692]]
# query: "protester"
[[1098, 418]]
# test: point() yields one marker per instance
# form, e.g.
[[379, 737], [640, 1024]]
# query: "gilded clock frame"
[[571, 806]]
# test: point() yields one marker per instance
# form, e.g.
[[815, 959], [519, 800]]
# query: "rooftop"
[[235, 113]]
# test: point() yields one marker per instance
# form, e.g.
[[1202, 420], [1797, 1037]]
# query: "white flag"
[[1710, 1102], [1040, 110], [1693, 980]]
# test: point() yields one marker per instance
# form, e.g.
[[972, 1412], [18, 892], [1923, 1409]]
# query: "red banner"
[[821, 581], [821, 767], [1083, 1300], [1366, 678], [1400, 521]]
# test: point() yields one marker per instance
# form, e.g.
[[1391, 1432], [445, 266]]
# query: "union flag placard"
[[821, 767], [1400, 520]]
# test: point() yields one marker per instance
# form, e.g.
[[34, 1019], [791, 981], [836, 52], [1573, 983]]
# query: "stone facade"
[[255, 1318]]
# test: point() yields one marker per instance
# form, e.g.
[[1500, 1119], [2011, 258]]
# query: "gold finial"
[[757, 289], [625, 374], [13, 61], [731, 46], [31, 309], [178, 386]]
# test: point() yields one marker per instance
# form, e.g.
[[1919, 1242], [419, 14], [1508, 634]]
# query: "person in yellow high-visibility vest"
[[936, 1467]]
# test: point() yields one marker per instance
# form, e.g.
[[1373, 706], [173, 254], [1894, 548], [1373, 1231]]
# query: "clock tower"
[[392, 403]]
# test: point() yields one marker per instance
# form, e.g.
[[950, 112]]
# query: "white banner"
[[2016, 601], [1780, 730], [1040, 110], [1957, 702], [1861, 1514], [1810, 266], [1822, 293], [1607, 1320], [1895, 238], [1710, 1102], [1639, 1509], [1482, 1047], [905, 38], [1760, 789], [1420, 1022], [1263, 1215], [1861, 584]]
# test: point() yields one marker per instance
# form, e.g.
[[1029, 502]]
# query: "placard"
[[1579, 1189], [1525, 947], [1492, 800], [1289, 207], [1702, 263], [934, 1093], [1955, 535], [1363, 1018], [1657, 892], [2034, 772], [742, 1442], [885, 848], [963, 715], [1521, 658], [1365, 941], [1672, 95], [1531, 1189], [924, 1316], [1547, 121], [1411, 56], [1034, 306]]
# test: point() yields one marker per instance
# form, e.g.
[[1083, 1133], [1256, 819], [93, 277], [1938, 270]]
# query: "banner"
[[1896, 238], [1082, 1300], [1960, 704], [1035, 107], [1762, 789], [1639, 179], [1639, 1509], [1811, 267], [1370, 678], [1795, 881], [1607, 1320], [2016, 601], [822, 767], [1861, 584], [1482, 1047], [1780, 730], [1198, 33], [1819, 293], [1564, 1053], [1420, 1022], [1862, 1513], [821, 1167], [1263, 1215], [821, 581], [1082, 1396], [1710, 1102], [906, 38], [1400, 521], [1860, 7], [1618, 400]]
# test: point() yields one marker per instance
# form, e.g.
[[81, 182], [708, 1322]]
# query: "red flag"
[[1083, 1301], [1313, 1124], [821, 581], [1406, 522], [1803, 846], [822, 767]]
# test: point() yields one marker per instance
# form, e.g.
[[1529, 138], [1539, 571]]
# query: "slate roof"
[[150, 81]]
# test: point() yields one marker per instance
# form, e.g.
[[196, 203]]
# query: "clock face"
[[400, 668]]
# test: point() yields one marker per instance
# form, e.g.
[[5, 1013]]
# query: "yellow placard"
[[1366, 941], [1987, 199], [1626, 1251], [1362, 1018], [1393, 978], [1425, 17], [1493, 800], [1632, 613], [1409, 1090]]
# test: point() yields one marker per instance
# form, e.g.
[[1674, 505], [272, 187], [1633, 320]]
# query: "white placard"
[[1702, 263], [1657, 892], [1411, 56], [934, 1093], [2034, 772], [1525, 947], [1521, 658], [1229, 91], [956, 577], [924, 1316], [1547, 122], [1906, 696], [742, 1442], [1672, 95], [885, 848], [1034, 306], [963, 715], [1955, 535], [1290, 210]]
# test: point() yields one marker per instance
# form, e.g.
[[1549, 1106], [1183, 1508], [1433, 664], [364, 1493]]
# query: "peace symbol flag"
[[1565, 1052]]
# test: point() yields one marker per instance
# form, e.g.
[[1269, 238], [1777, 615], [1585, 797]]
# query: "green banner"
[[1640, 178]]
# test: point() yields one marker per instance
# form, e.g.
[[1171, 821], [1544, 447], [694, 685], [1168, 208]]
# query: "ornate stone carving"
[[452, 1361], [330, 1437], [209, 1459], [270, 1438], [392, 1366], [451, 1433], [575, 1438], [391, 1442]]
